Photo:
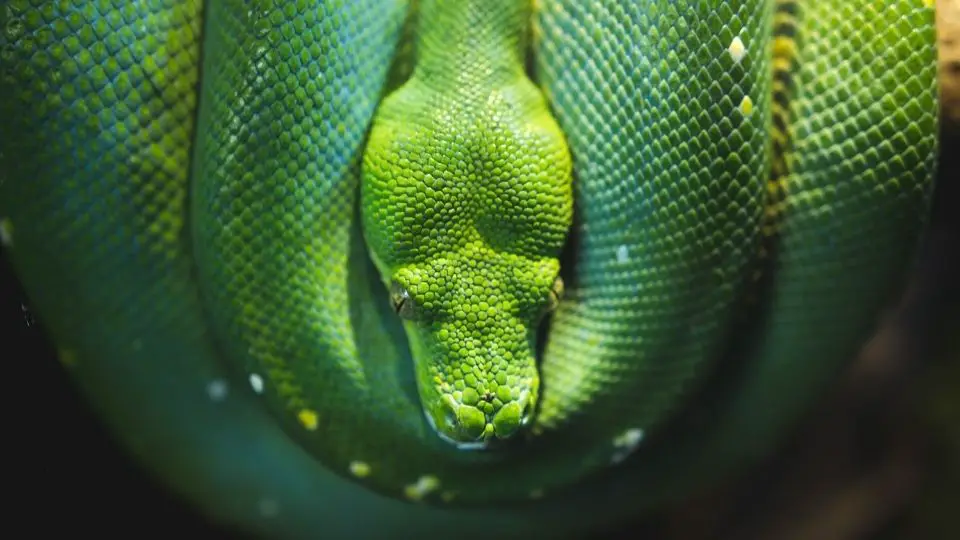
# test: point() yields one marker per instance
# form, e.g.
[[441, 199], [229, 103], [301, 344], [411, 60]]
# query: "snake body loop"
[[612, 251]]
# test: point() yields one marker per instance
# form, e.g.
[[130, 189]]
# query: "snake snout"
[[475, 424]]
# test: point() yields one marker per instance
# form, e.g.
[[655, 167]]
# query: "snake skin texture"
[[203, 204]]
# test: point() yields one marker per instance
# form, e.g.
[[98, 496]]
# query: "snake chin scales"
[[300, 255]]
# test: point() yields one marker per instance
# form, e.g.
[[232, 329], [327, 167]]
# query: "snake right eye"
[[403, 304]]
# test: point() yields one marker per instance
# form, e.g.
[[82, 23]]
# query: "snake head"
[[471, 319], [466, 200]]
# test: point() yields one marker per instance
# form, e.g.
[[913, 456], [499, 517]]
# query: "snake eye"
[[403, 304], [556, 294]]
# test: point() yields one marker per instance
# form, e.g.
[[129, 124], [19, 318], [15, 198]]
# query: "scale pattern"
[[856, 182], [668, 147], [289, 94], [178, 192]]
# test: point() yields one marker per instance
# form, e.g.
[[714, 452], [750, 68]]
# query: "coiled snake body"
[[493, 268]]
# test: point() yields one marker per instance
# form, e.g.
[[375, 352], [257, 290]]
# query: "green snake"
[[490, 268]]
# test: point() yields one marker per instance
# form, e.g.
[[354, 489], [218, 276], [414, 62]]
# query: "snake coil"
[[180, 194]]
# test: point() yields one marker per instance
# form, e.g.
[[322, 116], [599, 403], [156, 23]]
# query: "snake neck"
[[456, 39]]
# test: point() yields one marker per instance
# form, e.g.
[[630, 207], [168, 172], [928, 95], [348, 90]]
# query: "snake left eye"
[[556, 294], [403, 304]]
